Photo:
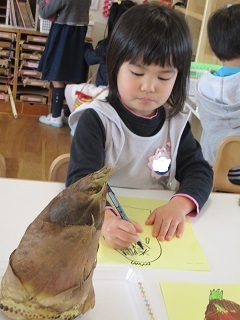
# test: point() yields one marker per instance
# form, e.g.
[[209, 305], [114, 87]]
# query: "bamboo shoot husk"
[[49, 275]]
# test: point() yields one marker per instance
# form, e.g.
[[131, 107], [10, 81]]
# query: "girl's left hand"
[[169, 219]]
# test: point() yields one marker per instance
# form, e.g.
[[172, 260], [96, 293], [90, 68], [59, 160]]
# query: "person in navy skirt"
[[63, 60]]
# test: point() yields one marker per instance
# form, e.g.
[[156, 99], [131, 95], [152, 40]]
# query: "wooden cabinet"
[[21, 86], [197, 14], [8, 63]]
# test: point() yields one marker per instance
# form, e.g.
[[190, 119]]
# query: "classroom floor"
[[29, 147]]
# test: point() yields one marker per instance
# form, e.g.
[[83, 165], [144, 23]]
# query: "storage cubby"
[[21, 86]]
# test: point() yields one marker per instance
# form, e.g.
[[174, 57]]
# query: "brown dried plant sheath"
[[49, 275]]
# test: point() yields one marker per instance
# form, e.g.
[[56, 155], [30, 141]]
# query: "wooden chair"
[[2, 167], [227, 157], [59, 167]]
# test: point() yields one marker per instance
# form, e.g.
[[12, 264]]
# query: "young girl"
[[140, 130], [98, 56], [63, 58]]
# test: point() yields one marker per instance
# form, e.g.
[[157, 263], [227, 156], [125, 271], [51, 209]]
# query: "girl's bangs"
[[159, 52]]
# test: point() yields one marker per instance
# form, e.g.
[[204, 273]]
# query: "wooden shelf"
[[21, 72]]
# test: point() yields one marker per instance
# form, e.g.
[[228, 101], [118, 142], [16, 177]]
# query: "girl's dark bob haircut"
[[151, 34]]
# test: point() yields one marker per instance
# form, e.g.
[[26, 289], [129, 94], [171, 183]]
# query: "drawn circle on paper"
[[152, 251]]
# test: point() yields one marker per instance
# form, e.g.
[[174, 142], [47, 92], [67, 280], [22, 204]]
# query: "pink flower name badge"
[[160, 163]]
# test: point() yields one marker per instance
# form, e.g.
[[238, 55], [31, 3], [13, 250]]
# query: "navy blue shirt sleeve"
[[91, 56], [87, 148]]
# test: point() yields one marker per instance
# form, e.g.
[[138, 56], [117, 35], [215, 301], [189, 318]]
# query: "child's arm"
[[195, 177], [87, 148], [169, 219], [194, 174], [91, 56], [118, 233]]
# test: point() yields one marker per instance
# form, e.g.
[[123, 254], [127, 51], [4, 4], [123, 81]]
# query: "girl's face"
[[143, 88]]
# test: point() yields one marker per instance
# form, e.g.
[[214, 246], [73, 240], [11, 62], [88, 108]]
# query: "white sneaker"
[[50, 121]]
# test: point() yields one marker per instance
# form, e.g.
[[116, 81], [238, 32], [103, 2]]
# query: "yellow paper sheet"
[[184, 253], [185, 301]]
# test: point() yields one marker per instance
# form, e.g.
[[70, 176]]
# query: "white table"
[[217, 228]]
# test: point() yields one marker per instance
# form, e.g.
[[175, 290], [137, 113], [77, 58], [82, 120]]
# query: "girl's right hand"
[[118, 233]]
